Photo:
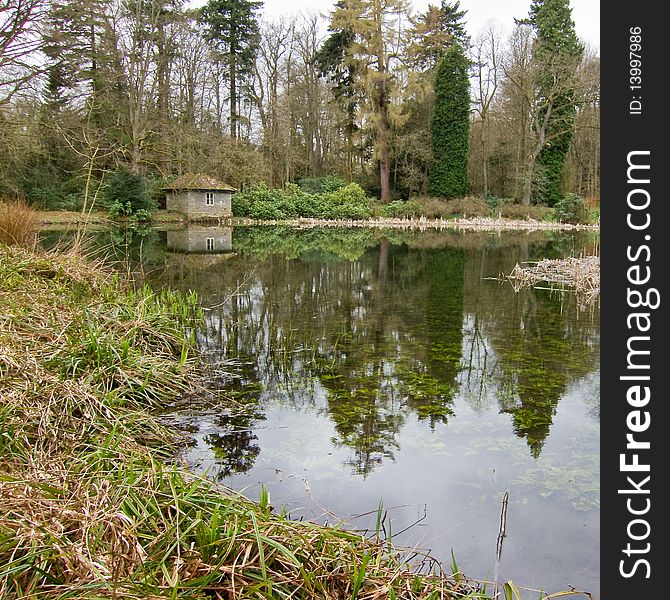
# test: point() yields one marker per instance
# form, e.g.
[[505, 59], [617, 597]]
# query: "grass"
[[17, 222]]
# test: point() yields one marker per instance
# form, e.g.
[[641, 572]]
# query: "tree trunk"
[[383, 143], [485, 170], [233, 94]]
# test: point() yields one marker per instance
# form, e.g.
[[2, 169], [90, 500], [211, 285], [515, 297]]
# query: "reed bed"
[[581, 274], [94, 501]]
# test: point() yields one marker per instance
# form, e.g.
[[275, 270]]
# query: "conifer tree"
[[558, 53], [232, 27], [451, 126]]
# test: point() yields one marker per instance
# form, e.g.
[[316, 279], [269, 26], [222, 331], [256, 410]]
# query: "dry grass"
[[435, 208], [581, 274], [17, 223], [507, 210]]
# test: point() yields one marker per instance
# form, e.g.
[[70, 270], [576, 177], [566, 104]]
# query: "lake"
[[394, 369]]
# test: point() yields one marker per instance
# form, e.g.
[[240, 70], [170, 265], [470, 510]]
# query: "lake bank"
[[163, 217], [94, 505]]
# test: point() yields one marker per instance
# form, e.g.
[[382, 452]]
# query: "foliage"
[[451, 126], [126, 193], [261, 202], [112, 85], [321, 185], [558, 52], [571, 209]]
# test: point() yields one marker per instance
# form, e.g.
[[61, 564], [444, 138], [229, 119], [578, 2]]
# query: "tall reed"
[[17, 223]]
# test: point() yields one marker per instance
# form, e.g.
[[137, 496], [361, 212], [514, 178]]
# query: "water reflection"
[[197, 239], [375, 330], [393, 365]]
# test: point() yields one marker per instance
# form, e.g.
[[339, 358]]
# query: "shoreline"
[[53, 219]]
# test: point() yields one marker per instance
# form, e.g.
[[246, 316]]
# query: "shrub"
[[432, 208], [17, 223], [265, 210], [400, 208], [571, 209], [350, 211], [435, 208], [240, 205], [321, 185], [349, 202], [261, 202], [126, 193], [156, 189], [470, 206], [510, 210], [349, 194]]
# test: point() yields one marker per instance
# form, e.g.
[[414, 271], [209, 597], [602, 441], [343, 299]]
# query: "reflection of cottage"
[[199, 196], [201, 240]]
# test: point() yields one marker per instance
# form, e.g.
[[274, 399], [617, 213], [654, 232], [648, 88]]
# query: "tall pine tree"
[[558, 53], [232, 27], [451, 126]]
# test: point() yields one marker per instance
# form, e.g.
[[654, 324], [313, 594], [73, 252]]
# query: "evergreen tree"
[[433, 32], [232, 27], [72, 46], [451, 126], [558, 53], [330, 61]]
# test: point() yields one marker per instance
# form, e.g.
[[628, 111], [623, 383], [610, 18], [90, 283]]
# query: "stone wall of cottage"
[[193, 203]]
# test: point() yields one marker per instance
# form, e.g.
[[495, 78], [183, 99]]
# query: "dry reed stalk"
[[17, 223], [581, 274]]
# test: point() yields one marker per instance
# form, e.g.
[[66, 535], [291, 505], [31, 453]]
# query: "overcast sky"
[[586, 13]]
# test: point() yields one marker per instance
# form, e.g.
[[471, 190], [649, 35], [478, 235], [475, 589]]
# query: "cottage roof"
[[199, 181]]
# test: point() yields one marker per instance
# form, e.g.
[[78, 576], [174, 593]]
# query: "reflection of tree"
[[432, 386], [538, 341], [380, 331], [235, 448], [367, 420]]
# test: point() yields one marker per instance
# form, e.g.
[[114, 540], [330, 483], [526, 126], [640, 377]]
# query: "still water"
[[394, 368]]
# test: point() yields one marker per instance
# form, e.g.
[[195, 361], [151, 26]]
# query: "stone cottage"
[[199, 196]]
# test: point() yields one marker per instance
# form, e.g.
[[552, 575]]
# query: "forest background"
[[405, 104]]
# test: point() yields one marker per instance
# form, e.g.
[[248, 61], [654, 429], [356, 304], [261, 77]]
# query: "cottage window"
[[209, 198], [210, 243]]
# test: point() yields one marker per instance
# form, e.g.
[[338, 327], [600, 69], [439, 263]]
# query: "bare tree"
[[19, 43], [486, 58]]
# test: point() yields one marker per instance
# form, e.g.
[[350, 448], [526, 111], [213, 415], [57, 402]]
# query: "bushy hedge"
[[262, 203], [571, 209]]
